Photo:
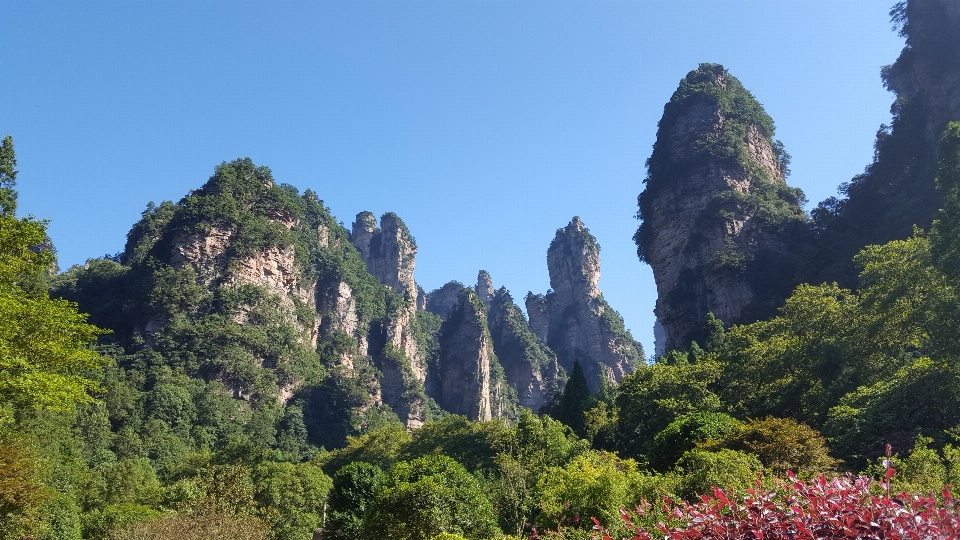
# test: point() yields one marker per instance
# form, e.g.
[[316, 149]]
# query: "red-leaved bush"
[[817, 509]]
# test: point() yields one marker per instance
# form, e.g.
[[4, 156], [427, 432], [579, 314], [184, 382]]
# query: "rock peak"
[[574, 320], [573, 261], [484, 288], [715, 203], [390, 252]]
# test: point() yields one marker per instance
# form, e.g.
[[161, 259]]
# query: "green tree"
[[290, 497], [472, 444], [654, 396], [703, 470], [569, 405], [354, 487], [45, 361], [595, 484], [526, 451], [684, 434], [428, 496], [781, 445], [945, 233], [8, 177], [379, 447]]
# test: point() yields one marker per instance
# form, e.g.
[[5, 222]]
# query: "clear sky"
[[486, 125]]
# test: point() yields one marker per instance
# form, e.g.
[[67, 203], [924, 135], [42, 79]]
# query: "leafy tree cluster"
[[453, 476]]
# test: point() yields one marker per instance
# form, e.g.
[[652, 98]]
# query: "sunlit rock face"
[[716, 204], [466, 354], [390, 254], [529, 366], [574, 319]]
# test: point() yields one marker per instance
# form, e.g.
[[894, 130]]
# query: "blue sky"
[[484, 125]]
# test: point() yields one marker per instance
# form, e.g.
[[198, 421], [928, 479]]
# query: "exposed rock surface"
[[529, 366], [390, 254], [390, 251], [539, 313], [898, 190], [928, 70], [580, 325], [203, 250], [484, 288], [716, 202], [466, 355], [442, 301]]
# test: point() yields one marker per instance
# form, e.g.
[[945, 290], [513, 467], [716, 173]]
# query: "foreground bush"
[[839, 508]]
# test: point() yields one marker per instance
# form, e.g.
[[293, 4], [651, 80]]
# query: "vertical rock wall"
[[530, 367], [389, 253], [715, 203], [466, 352], [578, 323]]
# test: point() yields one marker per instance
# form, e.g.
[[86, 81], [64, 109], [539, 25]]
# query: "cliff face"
[[470, 379], [389, 253], [578, 323], [897, 190], [442, 301], [716, 209], [530, 367], [928, 70]]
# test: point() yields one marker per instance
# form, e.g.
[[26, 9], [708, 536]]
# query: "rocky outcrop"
[[442, 301], [204, 250], [530, 367], [898, 190], [539, 313], [715, 205], [465, 356], [580, 324], [421, 299], [928, 70], [484, 288], [390, 251]]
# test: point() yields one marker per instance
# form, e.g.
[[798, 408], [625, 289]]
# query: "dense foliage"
[[838, 508], [210, 411]]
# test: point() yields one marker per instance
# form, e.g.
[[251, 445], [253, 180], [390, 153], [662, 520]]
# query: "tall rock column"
[[390, 253], [581, 324], [716, 210], [530, 366], [466, 352]]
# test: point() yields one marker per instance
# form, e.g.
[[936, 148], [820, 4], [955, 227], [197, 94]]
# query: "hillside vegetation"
[[240, 371]]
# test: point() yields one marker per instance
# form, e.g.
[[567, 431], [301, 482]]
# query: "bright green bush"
[[428, 496]]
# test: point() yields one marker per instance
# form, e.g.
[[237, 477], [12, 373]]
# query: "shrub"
[[781, 444], [428, 496], [702, 470], [684, 434], [595, 483], [843, 507]]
